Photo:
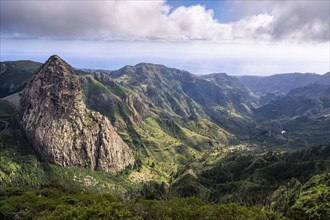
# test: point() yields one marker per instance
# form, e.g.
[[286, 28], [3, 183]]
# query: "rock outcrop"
[[139, 108], [60, 127]]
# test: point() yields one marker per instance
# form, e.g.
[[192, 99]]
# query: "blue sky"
[[222, 9], [237, 37]]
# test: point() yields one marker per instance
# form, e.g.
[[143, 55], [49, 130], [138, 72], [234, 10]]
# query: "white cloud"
[[149, 20], [257, 27], [307, 20]]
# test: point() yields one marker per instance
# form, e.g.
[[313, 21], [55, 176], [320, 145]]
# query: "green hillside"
[[184, 94], [14, 75], [304, 115]]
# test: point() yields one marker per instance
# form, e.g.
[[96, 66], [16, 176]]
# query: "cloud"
[[84, 19], [155, 20], [292, 20], [308, 20]]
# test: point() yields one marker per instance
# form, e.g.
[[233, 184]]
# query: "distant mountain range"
[[282, 83]]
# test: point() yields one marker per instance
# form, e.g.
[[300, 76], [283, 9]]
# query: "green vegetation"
[[51, 203], [106, 100], [310, 200], [161, 144], [14, 75], [181, 94], [6, 109], [250, 178], [303, 113]]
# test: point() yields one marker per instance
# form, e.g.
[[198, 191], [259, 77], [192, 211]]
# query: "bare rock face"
[[139, 108], [60, 127]]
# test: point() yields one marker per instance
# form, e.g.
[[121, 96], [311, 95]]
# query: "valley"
[[186, 145]]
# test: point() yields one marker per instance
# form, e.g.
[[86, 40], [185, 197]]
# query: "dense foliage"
[[51, 203], [250, 178], [310, 200]]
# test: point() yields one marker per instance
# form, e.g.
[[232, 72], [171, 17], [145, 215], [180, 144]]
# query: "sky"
[[237, 37]]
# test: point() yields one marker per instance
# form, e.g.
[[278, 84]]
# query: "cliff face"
[[60, 127]]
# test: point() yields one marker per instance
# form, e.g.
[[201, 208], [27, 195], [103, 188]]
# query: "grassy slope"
[[114, 110], [184, 94], [160, 144], [16, 75]]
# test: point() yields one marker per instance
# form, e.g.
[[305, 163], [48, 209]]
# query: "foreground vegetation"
[[51, 203]]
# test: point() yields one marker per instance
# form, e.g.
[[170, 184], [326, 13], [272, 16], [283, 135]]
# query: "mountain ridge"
[[282, 83], [184, 93]]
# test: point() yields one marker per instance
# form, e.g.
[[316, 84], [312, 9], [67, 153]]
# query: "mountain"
[[183, 94], [156, 135], [310, 100], [229, 83], [60, 127], [161, 139], [280, 84], [15, 74], [88, 70], [121, 105]]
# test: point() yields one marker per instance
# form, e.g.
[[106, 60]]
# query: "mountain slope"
[[230, 84], [121, 105], [309, 100], [304, 114], [161, 141], [15, 74], [183, 94]]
